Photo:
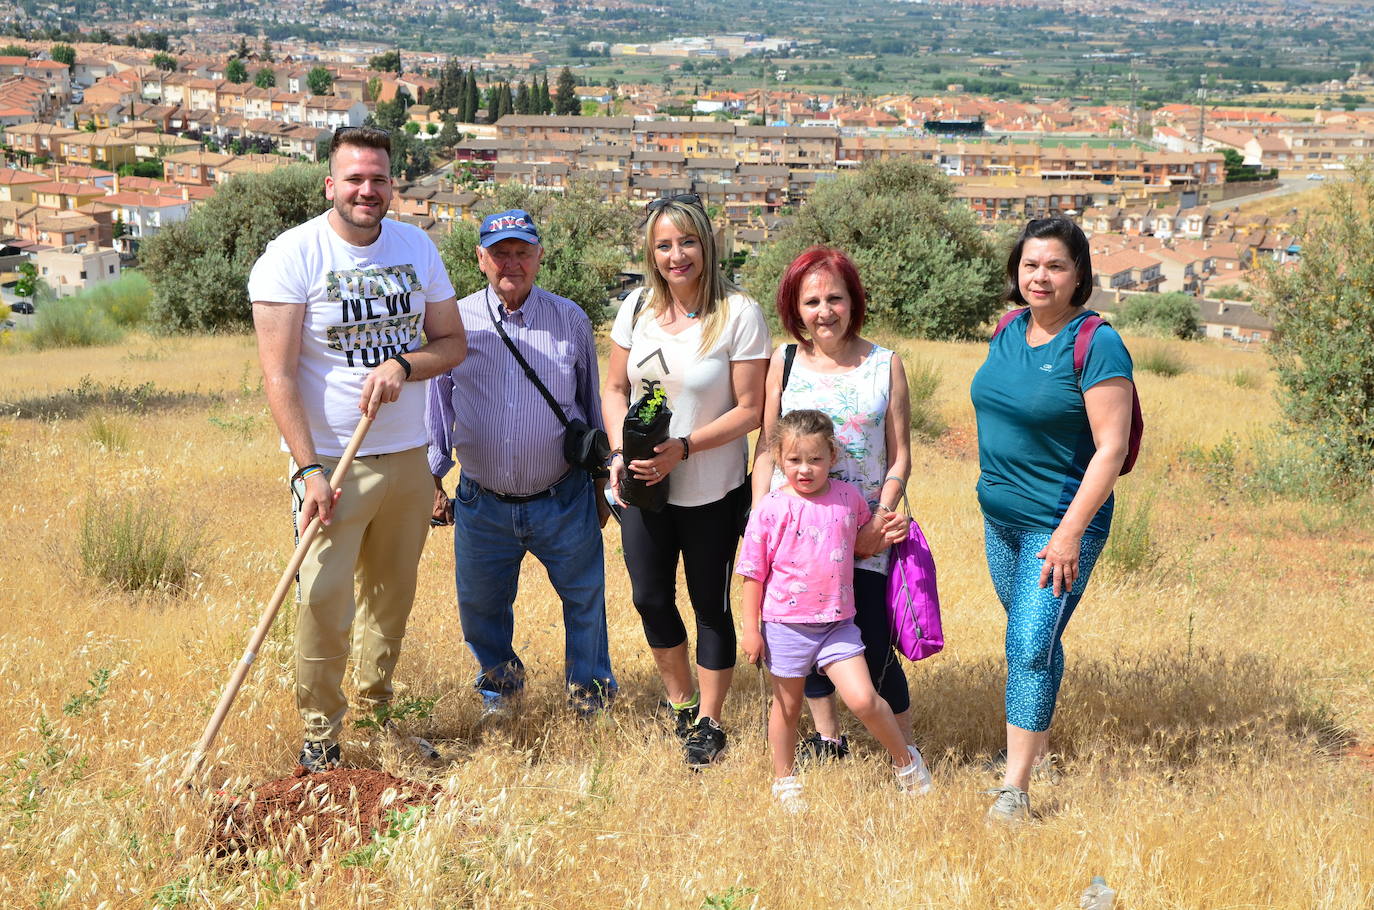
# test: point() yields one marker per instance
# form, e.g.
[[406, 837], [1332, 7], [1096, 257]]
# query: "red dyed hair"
[[819, 258]]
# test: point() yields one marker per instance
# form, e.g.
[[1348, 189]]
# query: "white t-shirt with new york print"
[[363, 304]]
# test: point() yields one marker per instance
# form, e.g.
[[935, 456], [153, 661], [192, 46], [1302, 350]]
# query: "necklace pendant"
[[691, 315]]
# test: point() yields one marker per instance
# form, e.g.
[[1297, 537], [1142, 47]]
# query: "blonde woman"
[[691, 330]]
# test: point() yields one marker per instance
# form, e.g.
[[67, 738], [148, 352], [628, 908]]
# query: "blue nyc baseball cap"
[[515, 224]]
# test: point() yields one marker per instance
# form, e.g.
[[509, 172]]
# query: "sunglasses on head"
[[681, 199]]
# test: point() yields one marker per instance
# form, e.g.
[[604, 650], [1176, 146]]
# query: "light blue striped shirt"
[[488, 413]]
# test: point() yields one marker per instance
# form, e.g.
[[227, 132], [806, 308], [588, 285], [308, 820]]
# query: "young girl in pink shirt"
[[797, 560]]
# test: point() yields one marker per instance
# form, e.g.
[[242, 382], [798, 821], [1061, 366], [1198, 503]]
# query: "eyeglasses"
[[681, 199]]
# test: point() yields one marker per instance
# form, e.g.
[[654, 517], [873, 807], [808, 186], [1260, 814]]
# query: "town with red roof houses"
[[105, 150]]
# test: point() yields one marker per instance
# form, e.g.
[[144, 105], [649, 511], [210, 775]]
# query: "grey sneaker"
[[915, 777], [409, 745], [319, 755], [1011, 807], [787, 791]]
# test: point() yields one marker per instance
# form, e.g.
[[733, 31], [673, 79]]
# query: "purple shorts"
[[791, 649]]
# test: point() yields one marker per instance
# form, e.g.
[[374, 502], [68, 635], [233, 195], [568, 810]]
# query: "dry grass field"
[[1214, 722]]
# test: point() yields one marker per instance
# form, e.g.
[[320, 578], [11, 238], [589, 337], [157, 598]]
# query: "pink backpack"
[[913, 601]]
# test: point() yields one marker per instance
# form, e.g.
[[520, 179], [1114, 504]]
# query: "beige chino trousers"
[[374, 540]]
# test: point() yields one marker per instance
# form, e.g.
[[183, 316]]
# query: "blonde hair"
[[804, 422], [713, 288]]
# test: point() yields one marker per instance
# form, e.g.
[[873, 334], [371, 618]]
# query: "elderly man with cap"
[[516, 492]]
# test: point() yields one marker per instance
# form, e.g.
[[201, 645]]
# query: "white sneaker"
[[787, 791], [915, 777]]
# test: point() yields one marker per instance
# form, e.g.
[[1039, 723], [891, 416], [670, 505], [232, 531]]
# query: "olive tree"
[[1323, 314], [586, 242], [928, 269], [199, 267]]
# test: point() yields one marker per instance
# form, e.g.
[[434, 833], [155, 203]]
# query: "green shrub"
[[922, 379], [927, 267], [1245, 379], [1173, 315], [1217, 464], [72, 322], [124, 300], [135, 545], [586, 242], [89, 395], [199, 267], [1323, 316], [1130, 548], [1160, 361], [108, 433], [1287, 467]]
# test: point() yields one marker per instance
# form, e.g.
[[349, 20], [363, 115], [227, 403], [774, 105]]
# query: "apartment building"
[[38, 140], [18, 186], [72, 268], [1127, 270], [144, 214], [196, 168]]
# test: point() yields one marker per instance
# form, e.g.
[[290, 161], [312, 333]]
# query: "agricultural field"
[[1214, 727]]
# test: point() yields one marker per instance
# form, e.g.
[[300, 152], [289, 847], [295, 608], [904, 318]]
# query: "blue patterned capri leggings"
[[1035, 618]]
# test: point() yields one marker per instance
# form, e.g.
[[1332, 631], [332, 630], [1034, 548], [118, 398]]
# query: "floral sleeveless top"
[[857, 404]]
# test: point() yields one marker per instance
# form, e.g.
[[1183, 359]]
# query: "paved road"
[[1287, 187]]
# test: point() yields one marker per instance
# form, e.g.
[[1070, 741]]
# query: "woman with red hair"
[[862, 387]]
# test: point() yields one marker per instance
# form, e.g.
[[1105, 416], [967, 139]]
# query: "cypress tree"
[[451, 86], [491, 100], [522, 98], [473, 99], [566, 99]]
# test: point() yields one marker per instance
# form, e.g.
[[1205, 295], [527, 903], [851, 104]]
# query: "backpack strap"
[[1006, 320], [1081, 343], [1084, 339]]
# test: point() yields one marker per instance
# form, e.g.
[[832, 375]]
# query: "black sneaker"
[[705, 743], [816, 749], [682, 718], [320, 755]]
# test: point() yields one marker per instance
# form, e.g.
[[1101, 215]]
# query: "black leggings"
[[870, 605], [706, 536]]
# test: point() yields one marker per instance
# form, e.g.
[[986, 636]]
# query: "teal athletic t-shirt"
[[1034, 441]]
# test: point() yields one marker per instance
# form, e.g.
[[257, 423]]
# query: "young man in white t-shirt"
[[339, 305]]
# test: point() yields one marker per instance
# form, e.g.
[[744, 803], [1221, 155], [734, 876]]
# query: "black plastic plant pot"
[[646, 425]]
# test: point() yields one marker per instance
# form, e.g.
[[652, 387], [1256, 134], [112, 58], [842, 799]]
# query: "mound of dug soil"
[[299, 815]]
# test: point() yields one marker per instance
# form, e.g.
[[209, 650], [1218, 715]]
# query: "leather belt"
[[513, 499]]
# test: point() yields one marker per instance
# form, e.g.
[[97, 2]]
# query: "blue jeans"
[[490, 538]]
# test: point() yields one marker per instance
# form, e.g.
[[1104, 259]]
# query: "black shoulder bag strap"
[[789, 354], [524, 364]]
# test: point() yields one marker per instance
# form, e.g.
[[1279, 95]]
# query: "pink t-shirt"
[[802, 551]]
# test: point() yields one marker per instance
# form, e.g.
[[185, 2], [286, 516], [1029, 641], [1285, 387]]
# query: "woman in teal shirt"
[[1051, 443]]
